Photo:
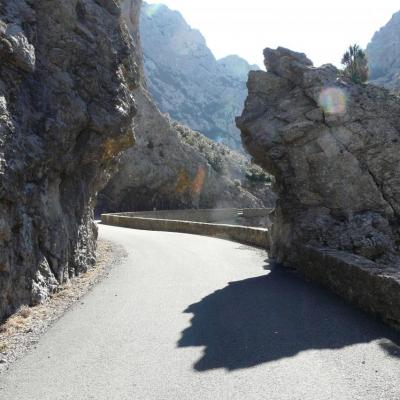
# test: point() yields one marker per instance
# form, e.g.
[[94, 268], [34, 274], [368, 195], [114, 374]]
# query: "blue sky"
[[321, 29]]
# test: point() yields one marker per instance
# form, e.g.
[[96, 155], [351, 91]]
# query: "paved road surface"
[[190, 317]]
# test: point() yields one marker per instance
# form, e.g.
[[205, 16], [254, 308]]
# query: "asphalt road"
[[190, 317]]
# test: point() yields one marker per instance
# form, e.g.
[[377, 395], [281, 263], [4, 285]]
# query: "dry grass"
[[29, 319], [25, 312], [17, 322]]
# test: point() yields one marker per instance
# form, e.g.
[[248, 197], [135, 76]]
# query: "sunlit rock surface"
[[67, 72], [186, 80], [173, 167], [384, 55], [334, 149]]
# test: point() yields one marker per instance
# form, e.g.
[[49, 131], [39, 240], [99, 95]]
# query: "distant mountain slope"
[[173, 167], [384, 55], [187, 81]]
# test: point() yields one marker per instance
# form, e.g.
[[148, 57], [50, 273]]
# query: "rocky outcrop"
[[66, 74], [384, 55], [173, 167], [186, 80], [334, 149]]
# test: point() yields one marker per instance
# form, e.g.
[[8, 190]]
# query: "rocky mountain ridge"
[[186, 80], [384, 55]]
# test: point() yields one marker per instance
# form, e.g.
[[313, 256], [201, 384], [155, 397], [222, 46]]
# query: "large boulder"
[[67, 71], [334, 149]]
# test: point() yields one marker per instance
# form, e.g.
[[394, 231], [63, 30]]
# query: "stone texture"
[[384, 55], [67, 70], [186, 80], [334, 149], [173, 167]]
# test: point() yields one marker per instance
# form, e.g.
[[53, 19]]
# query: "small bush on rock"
[[355, 64]]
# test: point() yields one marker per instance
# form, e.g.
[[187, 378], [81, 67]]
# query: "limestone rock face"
[[66, 110], [384, 55], [173, 167], [164, 171], [186, 81], [334, 149], [167, 170]]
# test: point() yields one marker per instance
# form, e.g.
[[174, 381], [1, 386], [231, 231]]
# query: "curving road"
[[190, 317]]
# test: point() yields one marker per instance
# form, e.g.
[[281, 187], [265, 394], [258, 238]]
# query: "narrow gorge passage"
[[191, 317]]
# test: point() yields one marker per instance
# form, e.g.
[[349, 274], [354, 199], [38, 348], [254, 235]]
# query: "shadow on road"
[[274, 316]]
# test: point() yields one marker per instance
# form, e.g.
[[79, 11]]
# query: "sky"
[[321, 29]]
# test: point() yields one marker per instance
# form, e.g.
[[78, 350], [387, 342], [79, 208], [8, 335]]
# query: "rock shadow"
[[278, 315]]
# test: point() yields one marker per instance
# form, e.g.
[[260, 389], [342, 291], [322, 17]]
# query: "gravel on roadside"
[[23, 330]]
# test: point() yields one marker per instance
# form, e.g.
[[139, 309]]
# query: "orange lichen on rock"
[[114, 146]]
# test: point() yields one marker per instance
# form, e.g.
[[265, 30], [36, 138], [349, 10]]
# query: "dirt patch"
[[23, 329]]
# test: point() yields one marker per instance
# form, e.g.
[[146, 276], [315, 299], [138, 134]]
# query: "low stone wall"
[[373, 287], [204, 215], [243, 234]]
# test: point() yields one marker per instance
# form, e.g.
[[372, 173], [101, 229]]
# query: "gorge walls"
[[173, 167], [67, 71]]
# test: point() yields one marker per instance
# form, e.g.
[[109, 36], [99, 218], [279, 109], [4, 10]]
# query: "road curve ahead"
[[191, 317]]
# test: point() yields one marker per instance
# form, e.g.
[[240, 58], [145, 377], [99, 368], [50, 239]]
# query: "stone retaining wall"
[[243, 234], [195, 215], [373, 287]]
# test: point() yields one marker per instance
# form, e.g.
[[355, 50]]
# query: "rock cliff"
[[173, 167], [186, 80], [67, 71], [384, 55], [334, 149]]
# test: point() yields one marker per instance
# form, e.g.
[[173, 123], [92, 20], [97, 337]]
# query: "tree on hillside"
[[355, 64]]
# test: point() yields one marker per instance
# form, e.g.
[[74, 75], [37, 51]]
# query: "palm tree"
[[356, 64]]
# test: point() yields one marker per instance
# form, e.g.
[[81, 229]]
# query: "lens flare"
[[198, 182], [185, 184], [333, 100]]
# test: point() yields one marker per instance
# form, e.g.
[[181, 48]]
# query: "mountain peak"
[[185, 79], [236, 66], [384, 55]]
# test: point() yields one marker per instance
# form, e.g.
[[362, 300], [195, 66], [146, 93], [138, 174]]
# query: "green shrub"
[[355, 64]]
